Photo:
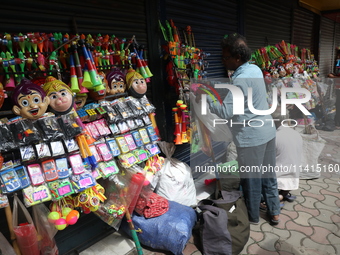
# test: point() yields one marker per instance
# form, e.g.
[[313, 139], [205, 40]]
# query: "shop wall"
[[327, 46]]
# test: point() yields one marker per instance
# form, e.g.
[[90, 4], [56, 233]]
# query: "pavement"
[[309, 226]]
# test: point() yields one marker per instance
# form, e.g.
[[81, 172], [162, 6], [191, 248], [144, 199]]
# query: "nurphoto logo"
[[238, 104]]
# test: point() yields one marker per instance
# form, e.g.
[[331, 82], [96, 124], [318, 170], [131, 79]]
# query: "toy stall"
[[81, 139]]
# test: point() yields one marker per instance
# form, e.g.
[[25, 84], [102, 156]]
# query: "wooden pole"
[[9, 217]]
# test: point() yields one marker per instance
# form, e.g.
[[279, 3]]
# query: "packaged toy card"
[[6, 138], [82, 181], [139, 122], [112, 115], [124, 148], [153, 149], [127, 160], [152, 133], [144, 134], [50, 170], [35, 173], [23, 176], [130, 142], [120, 106], [92, 129], [57, 148], [71, 145], [137, 138], [108, 168], [60, 188], [135, 106], [62, 168], [123, 127], [102, 127], [27, 153], [50, 129], [77, 164], [25, 132], [113, 147], [43, 150], [104, 151], [11, 180], [114, 129], [95, 153], [147, 106], [69, 125], [3, 200], [131, 124], [36, 194], [146, 120], [141, 154]]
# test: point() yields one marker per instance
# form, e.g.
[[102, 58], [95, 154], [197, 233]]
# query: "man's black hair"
[[237, 46]]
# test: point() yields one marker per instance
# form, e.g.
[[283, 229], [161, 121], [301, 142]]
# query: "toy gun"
[[177, 131], [74, 79]]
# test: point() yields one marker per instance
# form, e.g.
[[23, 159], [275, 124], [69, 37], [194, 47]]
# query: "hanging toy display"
[[184, 62], [29, 100]]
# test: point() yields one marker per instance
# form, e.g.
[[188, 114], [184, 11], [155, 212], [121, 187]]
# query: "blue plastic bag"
[[170, 231]]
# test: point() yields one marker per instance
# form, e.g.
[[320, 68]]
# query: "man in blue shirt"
[[253, 134]]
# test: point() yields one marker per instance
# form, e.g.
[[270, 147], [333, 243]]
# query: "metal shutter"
[[304, 25], [267, 23], [327, 48], [209, 21]]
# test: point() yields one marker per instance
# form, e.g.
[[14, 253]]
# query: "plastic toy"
[[23, 176], [116, 82], [136, 84], [11, 180], [36, 174], [50, 170], [29, 100], [61, 96]]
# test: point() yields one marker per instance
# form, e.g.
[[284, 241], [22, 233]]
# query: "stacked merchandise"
[[285, 65]]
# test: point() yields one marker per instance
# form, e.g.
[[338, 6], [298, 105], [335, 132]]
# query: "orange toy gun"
[[177, 132], [184, 137]]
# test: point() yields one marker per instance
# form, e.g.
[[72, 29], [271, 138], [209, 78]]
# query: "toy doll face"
[[61, 100], [139, 85], [31, 106], [117, 86], [80, 100]]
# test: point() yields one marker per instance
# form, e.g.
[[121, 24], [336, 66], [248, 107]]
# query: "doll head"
[[80, 100], [135, 83], [116, 82], [29, 100], [61, 96], [99, 94]]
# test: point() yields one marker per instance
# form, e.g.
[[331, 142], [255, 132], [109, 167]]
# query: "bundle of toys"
[[284, 65], [184, 62]]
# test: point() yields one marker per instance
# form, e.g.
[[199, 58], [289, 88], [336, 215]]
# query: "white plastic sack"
[[313, 145], [175, 179]]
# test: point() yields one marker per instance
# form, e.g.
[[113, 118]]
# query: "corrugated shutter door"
[[267, 23], [105, 17], [303, 29], [209, 21], [326, 51]]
